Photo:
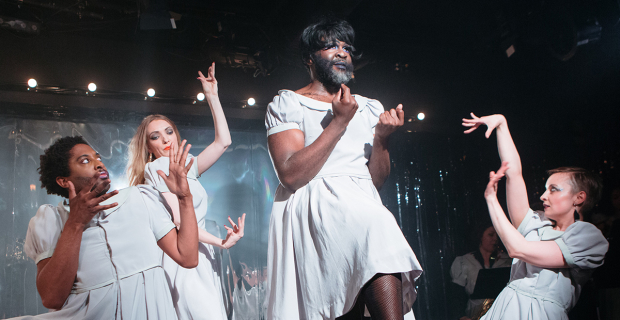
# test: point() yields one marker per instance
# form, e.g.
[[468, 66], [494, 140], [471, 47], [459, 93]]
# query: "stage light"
[[200, 96], [92, 87], [150, 92], [421, 116], [32, 83], [251, 102]]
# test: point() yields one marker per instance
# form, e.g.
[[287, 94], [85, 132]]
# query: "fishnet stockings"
[[383, 297]]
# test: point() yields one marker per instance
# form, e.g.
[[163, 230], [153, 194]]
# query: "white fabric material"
[[331, 236], [197, 292], [464, 272], [246, 303], [119, 272], [548, 294]]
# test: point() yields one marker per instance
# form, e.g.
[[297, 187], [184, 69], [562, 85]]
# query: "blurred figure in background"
[[465, 268]]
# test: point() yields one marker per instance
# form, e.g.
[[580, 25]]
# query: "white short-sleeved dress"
[[197, 292], [331, 236], [548, 294], [464, 272], [119, 272]]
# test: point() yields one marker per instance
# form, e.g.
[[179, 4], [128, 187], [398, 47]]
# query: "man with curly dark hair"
[[96, 253]]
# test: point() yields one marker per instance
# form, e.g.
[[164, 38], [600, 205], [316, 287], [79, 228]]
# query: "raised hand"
[[176, 180], [86, 204], [492, 122], [491, 190], [389, 121], [344, 106], [209, 84], [235, 233]]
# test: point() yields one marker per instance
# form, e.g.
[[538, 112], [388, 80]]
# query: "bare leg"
[[383, 297]]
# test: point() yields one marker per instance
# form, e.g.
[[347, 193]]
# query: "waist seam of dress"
[[111, 281], [535, 296]]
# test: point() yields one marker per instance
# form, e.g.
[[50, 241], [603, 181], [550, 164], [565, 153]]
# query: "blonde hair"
[[139, 154]]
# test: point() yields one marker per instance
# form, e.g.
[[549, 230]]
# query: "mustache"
[[333, 62]]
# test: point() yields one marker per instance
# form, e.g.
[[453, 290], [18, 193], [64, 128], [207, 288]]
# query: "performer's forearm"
[[507, 150], [544, 254], [206, 237], [187, 240], [379, 163], [516, 192], [56, 275], [222, 135], [295, 170]]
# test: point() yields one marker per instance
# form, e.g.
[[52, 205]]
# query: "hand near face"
[[176, 180], [344, 106], [492, 122], [86, 204], [491, 190], [235, 233], [209, 84], [389, 121]]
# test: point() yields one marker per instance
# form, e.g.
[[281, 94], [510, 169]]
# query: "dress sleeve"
[[457, 272], [283, 113], [43, 232], [159, 212], [583, 246], [376, 109], [152, 178]]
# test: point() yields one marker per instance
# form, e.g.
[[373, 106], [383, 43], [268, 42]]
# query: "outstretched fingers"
[[241, 221], [179, 153], [201, 76], [232, 223], [400, 114], [184, 158], [211, 71]]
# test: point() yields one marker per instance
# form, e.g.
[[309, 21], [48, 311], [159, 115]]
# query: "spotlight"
[[421, 116], [32, 83], [200, 96], [150, 92], [251, 102], [92, 87]]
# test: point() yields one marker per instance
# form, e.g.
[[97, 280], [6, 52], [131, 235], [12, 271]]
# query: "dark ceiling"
[[441, 57]]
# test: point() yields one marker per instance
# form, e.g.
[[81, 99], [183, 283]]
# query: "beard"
[[328, 76]]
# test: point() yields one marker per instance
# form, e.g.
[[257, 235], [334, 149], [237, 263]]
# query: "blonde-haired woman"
[[197, 293]]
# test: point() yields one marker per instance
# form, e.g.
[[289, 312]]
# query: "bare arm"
[[544, 254], [56, 275], [222, 135], [181, 245], [516, 192], [379, 163], [295, 164], [233, 235]]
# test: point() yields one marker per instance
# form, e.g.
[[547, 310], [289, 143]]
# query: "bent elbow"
[[290, 184], [52, 303], [190, 263], [515, 253]]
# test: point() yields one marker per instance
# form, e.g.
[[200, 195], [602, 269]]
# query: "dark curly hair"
[[328, 29], [54, 162]]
